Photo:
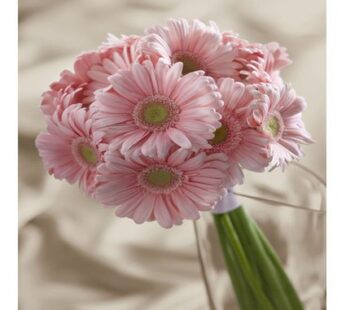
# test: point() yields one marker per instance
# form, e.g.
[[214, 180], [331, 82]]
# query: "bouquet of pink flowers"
[[160, 127]]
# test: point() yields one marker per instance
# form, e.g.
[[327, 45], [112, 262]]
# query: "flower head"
[[69, 149], [91, 72], [56, 101], [279, 115], [256, 63], [161, 126], [168, 190], [87, 74], [125, 43], [245, 147], [153, 107], [197, 45]]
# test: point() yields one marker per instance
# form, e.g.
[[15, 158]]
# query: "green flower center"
[[190, 63], [160, 178], [88, 154], [220, 135], [228, 136], [272, 126], [155, 113]]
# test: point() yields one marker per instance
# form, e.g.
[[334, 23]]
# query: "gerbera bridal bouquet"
[[161, 126]]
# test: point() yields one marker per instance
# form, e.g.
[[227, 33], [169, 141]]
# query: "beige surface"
[[74, 255]]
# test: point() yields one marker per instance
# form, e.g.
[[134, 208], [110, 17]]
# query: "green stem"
[[243, 292], [244, 264], [270, 277], [245, 240], [286, 283], [250, 250]]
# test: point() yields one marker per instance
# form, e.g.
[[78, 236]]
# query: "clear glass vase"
[[290, 209]]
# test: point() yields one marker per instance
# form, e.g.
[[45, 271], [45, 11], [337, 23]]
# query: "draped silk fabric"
[[76, 255]]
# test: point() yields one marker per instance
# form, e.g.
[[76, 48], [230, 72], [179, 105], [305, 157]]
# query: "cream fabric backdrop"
[[75, 255]]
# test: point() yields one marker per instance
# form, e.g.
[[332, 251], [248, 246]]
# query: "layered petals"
[[152, 108], [90, 75], [245, 147], [256, 63], [169, 190], [197, 45], [279, 116], [69, 149]]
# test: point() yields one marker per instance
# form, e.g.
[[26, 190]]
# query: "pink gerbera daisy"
[[168, 190], [86, 74], [279, 116], [197, 45], [153, 107], [91, 72], [124, 43], [256, 63], [56, 101], [245, 147], [275, 58], [69, 149], [120, 55]]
